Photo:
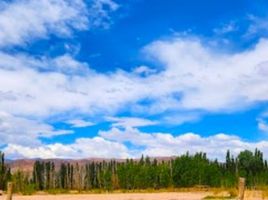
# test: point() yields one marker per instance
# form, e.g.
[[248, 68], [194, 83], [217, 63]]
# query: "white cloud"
[[18, 130], [79, 123], [38, 93], [210, 80], [155, 144], [258, 26], [99, 14], [144, 70], [128, 134], [226, 28], [95, 147], [191, 76], [130, 122], [22, 21], [165, 144], [262, 125], [201, 79], [66, 64], [181, 118]]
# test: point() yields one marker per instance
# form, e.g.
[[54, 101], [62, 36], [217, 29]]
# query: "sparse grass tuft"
[[28, 189], [57, 191], [221, 194], [233, 192], [217, 198]]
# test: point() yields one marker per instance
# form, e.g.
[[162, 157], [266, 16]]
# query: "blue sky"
[[114, 78]]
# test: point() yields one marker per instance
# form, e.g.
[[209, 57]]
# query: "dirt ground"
[[132, 196], [249, 195]]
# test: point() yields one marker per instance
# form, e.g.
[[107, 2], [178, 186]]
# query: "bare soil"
[[123, 196], [249, 195]]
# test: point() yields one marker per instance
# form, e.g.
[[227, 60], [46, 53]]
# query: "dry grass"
[[170, 194], [221, 194]]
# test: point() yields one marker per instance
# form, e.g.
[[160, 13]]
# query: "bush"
[[29, 189]]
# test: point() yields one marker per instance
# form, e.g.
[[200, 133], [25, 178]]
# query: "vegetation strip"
[[145, 174]]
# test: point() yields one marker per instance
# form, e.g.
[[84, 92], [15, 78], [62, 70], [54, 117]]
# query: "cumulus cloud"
[[192, 78], [22, 21], [203, 80], [95, 147], [210, 80], [165, 144], [17, 130], [37, 93], [153, 144], [144, 70]]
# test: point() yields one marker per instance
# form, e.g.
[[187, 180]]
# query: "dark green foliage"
[[22, 182], [183, 171], [5, 174], [194, 170], [252, 167]]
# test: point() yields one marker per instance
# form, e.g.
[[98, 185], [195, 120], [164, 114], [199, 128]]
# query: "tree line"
[[183, 171], [5, 174]]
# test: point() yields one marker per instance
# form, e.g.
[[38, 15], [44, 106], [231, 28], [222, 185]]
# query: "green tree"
[[5, 174]]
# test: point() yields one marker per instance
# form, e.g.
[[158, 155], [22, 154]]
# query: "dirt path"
[[132, 196], [253, 195]]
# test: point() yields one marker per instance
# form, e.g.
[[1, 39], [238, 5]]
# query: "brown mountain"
[[27, 164]]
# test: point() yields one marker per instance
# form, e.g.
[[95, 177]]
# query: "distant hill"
[[27, 164]]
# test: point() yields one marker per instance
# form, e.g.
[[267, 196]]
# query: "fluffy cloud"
[[25, 84], [22, 21], [18, 130], [165, 144], [155, 144], [192, 76], [208, 79], [95, 147], [37, 93], [203, 80], [144, 70], [192, 79]]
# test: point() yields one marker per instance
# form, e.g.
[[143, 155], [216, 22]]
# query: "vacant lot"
[[133, 196]]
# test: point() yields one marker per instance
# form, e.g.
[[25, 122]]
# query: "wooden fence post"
[[9, 190], [241, 188]]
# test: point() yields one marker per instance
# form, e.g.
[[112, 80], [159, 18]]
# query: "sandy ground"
[[249, 195], [132, 196]]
